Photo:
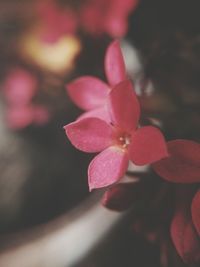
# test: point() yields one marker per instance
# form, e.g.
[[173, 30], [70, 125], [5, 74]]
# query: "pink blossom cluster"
[[111, 126], [95, 17], [56, 21], [107, 16], [19, 90]]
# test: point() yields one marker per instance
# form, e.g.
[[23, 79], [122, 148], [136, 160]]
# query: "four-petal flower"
[[120, 141]]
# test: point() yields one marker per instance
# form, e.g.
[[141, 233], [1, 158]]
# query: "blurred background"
[[44, 44]]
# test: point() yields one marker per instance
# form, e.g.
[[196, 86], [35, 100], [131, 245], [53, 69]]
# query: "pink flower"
[[19, 117], [19, 87], [19, 90], [56, 21], [107, 16], [183, 163], [120, 141], [183, 166], [90, 93]]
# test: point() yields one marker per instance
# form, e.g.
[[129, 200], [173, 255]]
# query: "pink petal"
[[196, 211], [116, 27], [20, 86], [90, 134], [148, 145], [88, 92], [183, 233], [55, 21], [107, 168], [52, 33], [124, 106], [101, 113], [183, 165], [69, 21], [121, 196], [124, 7], [91, 17], [114, 64]]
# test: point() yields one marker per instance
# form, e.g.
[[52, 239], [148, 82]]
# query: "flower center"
[[124, 140]]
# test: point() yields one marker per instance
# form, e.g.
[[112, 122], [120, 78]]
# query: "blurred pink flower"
[[107, 16], [19, 117], [183, 166], [19, 89], [56, 21], [119, 141]]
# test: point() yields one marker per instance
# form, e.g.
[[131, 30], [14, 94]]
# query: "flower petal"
[[101, 113], [88, 92], [114, 64], [90, 134], [116, 26], [148, 145], [124, 7], [20, 87], [183, 233], [124, 106], [107, 168], [196, 211], [183, 165], [55, 21], [121, 196]]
